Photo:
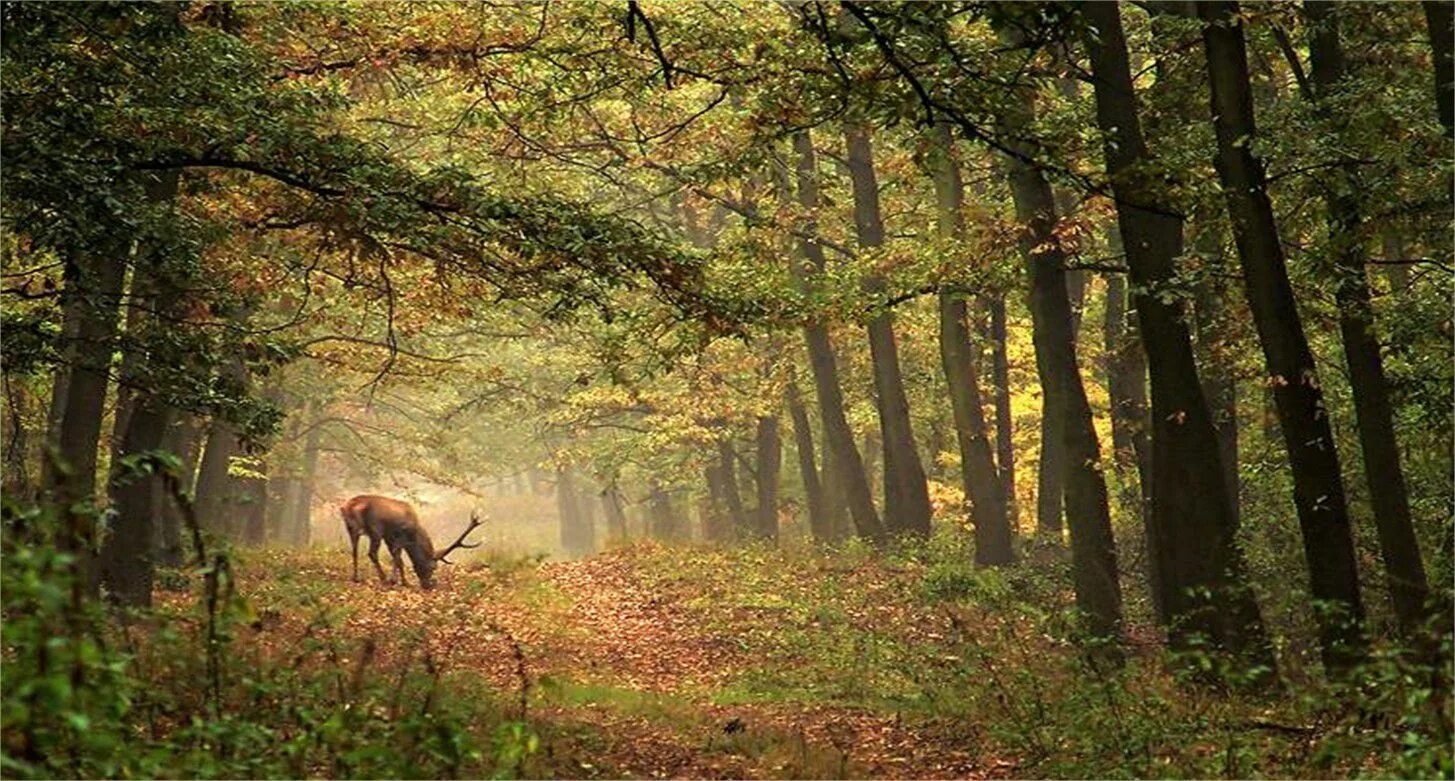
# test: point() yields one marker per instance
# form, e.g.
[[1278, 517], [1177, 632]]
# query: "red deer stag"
[[394, 523]]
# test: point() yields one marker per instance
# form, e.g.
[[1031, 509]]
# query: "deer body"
[[393, 523]]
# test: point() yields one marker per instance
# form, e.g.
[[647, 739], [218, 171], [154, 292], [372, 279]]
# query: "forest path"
[[630, 673]]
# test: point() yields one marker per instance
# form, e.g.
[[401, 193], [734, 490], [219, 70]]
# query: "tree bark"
[[578, 531], [770, 465], [1440, 19], [1219, 382], [847, 466], [1408, 587], [822, 527], [906, 496], [615, 512], [732, 497], [1004, 424], [182, 439], [1192, 535], [1318, 486], [216, 500], [981, 482], [93, 287], [663, 518], [1093, 549]]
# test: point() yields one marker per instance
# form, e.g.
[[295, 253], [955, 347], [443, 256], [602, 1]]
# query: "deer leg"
[[398, 556], [354, 539], [374, 556]]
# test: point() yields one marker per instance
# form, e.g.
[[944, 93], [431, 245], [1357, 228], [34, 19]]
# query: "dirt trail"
[[639, 672]]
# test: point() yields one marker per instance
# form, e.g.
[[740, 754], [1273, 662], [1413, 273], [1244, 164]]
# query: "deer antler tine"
[[475, 523]]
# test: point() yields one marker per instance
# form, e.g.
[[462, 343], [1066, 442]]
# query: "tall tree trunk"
[[1408, 587], [1193, 531], [847, 466], [1440, 19], [1398, 274], [1093, 549], [133, 353], [615, 513], [732, 498], [662, 516], [302, 530], [576, 537], [126, 563], [183, 440], [1004, 424], [253, 508], [216, 500], [977, 464], [819, 523], [282, 498], [73, 312], [770, 465], [93, 286], [717, 524], [906, 495], [1219, 381], [1318, 486], [1126, 389]]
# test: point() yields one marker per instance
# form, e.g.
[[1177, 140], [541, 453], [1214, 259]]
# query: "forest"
[[724, 389]]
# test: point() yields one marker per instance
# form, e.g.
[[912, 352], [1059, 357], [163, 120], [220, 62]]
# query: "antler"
[[460, 542]]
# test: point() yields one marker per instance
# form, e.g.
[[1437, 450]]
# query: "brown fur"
[[393, 523]]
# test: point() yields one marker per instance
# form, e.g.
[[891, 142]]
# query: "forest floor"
[[652, 662], [636, 669]]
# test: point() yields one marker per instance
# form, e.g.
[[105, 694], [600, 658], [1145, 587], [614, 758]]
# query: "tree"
[[1192, 529], [1397, 543], [844, 460], [906, 499], [979, 477], [1093, 549], [1318, 485]]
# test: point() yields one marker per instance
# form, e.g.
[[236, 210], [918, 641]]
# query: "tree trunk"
[[133, 349], [1126, 389], [126, 563], [663, 518], [1398, 274], [282, 499], [73, 312], [823, 527], [615, 513], [302, 531], [578, 529], [1440, 19], [1318, 485], [1408, 586], [1219, 382], [1193, 531], [770, 465], [717, 524], [93, 288], [906, 496], [216, 500], [993, 538], [183, 439], [1004, 424], [1093, 550], [732, 497], [253, 493], [847, 466]]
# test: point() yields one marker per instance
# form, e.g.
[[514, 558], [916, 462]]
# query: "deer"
[[394, 523]]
